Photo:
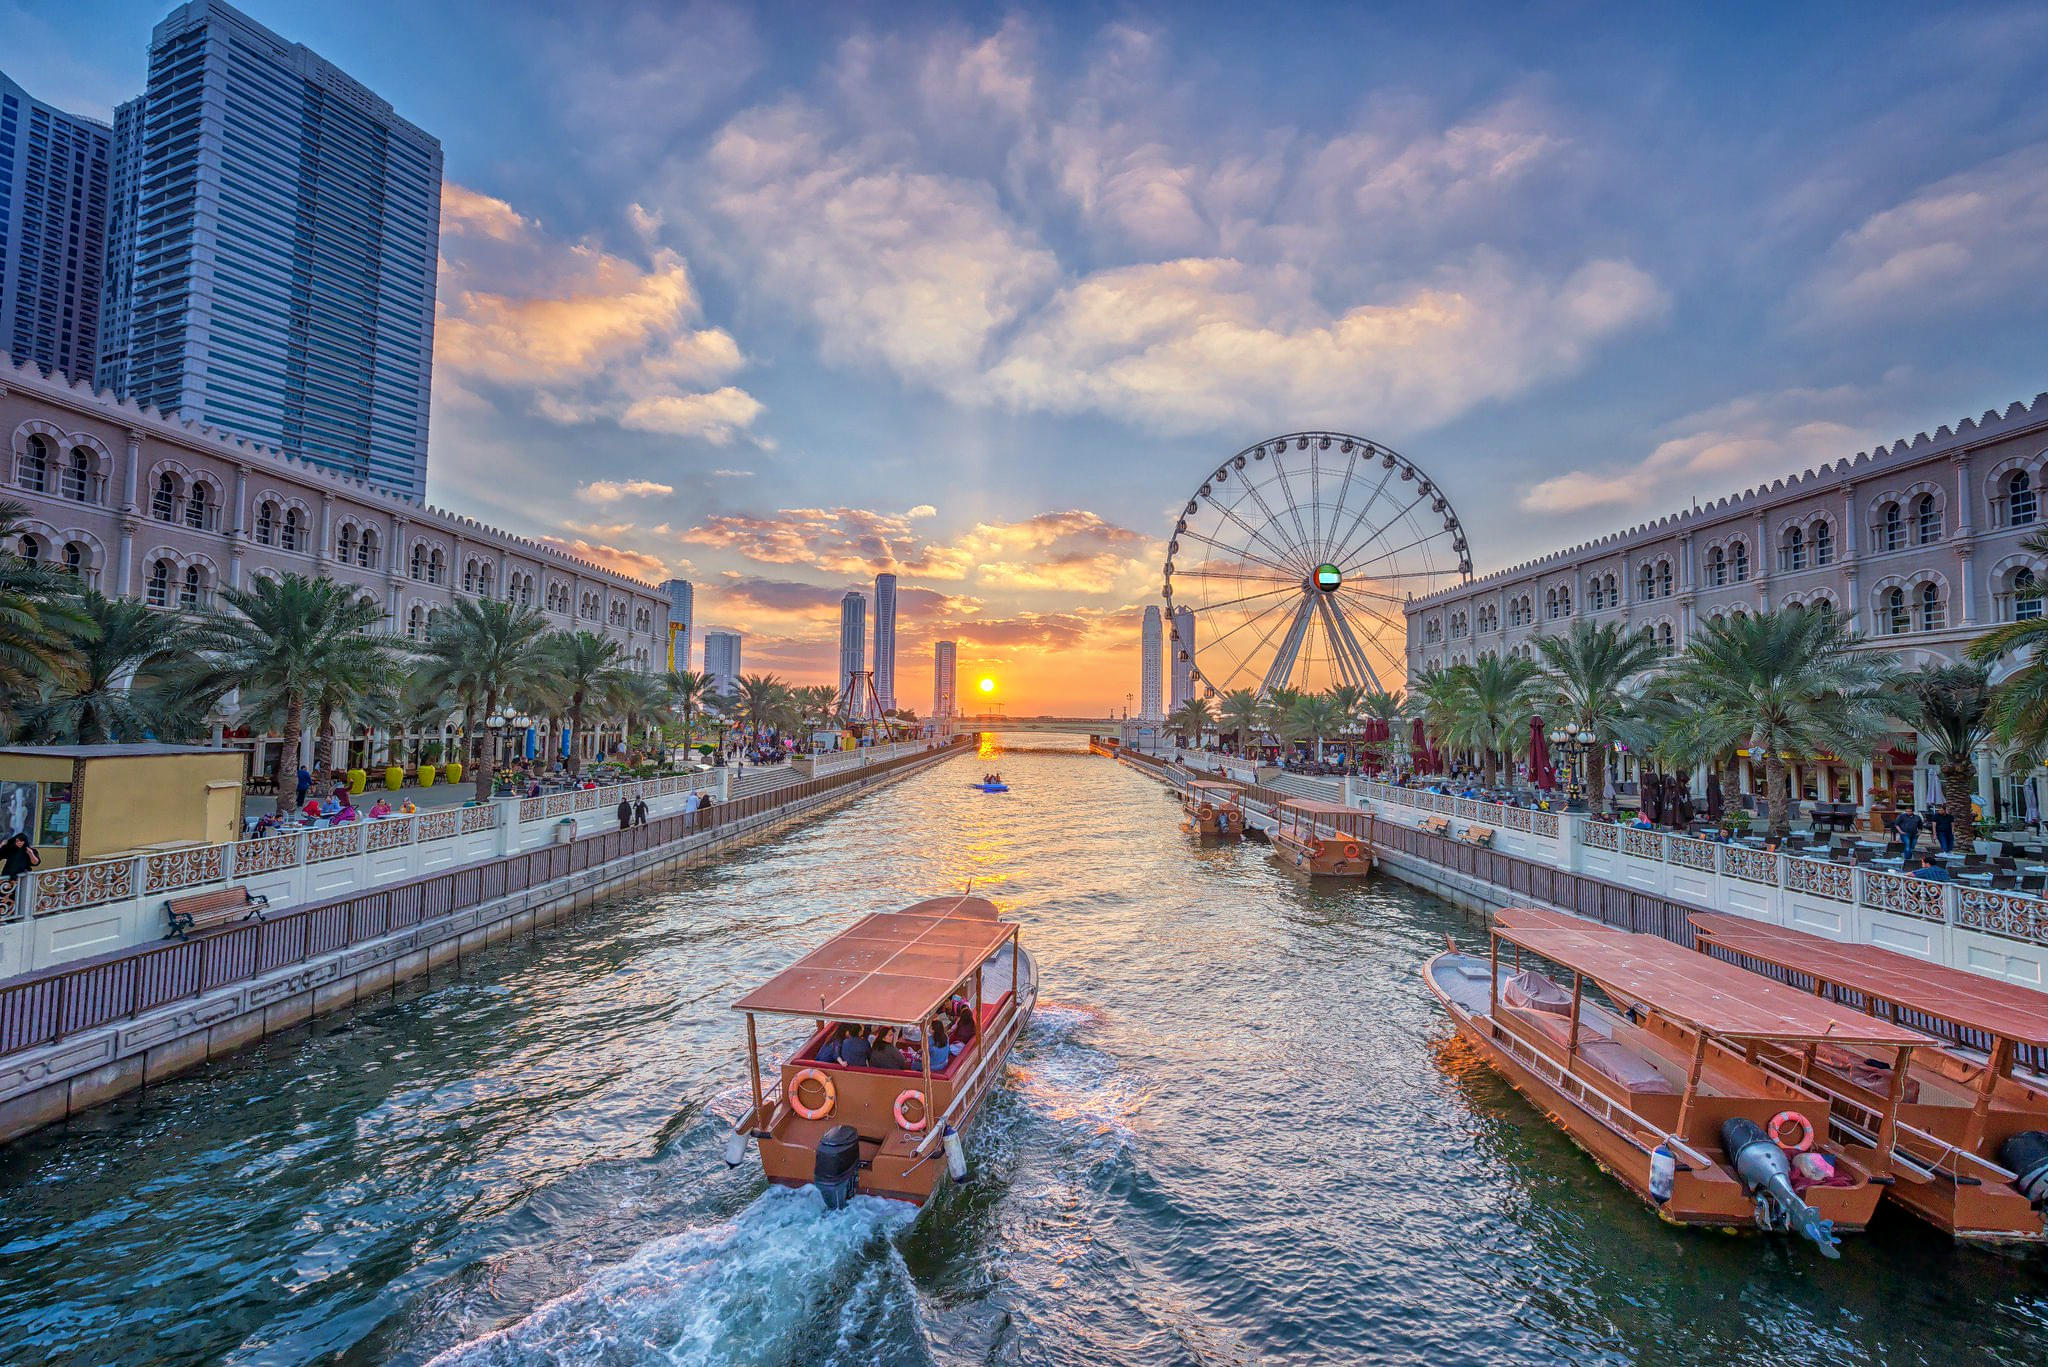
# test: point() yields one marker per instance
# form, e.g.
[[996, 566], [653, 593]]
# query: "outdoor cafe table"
[[1980, 879]]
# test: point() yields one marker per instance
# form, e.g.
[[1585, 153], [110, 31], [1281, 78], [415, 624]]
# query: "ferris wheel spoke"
[[1343, 489], [1298, 552], [1363, 665], [1392, 627], [1236, 576], [1315, 492], [1247, 598], [1293, 509], [1282, 668], [1287, 553], [1242, 663], [1355, 566], [1214, 544], [1334, 552]]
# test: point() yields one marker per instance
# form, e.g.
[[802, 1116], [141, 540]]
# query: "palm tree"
[[34, 616], [1315, 717], [1433, 699], [1488, 707], [588, 672], [688, 689], [1190, 720], [1238, 712], [762, 700], [120, 659], [1591, 677], [281, 640], [1386, 708], [485, 652], [1784, 683], [1951, 706]]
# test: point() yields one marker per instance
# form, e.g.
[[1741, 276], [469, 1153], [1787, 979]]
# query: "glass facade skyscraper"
[[54, 171], [286, 224], [885, 641]]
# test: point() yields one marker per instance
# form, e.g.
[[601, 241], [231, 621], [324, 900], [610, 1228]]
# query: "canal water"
[[1236, 1132]]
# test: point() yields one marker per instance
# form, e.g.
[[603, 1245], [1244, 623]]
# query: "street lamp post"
[[1574, 742]]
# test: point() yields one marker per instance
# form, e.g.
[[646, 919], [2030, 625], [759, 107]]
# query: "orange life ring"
[[796, 1101], [912, 1094], [1351, 849], [1205, 811], [1783, 1118], [1315, 849]]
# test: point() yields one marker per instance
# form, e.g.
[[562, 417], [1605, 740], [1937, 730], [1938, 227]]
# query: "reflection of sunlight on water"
[[990, 746]]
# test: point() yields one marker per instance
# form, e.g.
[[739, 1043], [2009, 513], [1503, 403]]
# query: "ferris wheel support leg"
[[1282, 668], [1357, 652]]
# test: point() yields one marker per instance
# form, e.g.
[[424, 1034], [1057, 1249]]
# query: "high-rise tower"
[[853, 630], [722, 660], [945, 679], [1182, 647], [682, 611], [54, 174], [885, 640], [1148, 683], [286, 223]]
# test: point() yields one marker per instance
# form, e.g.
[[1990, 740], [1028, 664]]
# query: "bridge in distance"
[[1078, 726]]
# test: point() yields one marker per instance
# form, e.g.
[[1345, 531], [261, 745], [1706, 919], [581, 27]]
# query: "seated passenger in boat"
[[938, 1043], [885, 1054], [964, 1026], [853, 1049], [828, 1052]]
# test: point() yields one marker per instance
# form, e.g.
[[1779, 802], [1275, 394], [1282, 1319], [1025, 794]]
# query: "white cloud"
[[715, 417], [1721, 450], [612, 490], [1976, 236]]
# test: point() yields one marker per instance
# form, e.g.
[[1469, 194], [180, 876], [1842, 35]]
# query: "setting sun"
[[988, 685]]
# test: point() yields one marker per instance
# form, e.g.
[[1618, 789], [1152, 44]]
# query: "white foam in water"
[[747, 1290]]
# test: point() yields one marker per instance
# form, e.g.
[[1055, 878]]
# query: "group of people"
[[946, 1036], [338, 808], [991, 778]]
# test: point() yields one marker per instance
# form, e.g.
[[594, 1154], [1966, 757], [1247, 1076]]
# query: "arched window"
[[1666, 643], [1663, 578], [163, 505], [1933, 613], [469, 576], [1896, 619], [345, 543], [1927, 519], [293, 536], [1792, 555], [1717, 568], [189, 594], [1738, 562], [159, 595], [2022, 504], [1823, 543], [419, 561], [415, 622], [2026, 601], [433, 620], [366, 549], [198, 509], [32, 471], [1824, 606], [77, 481], [31, 550], [437, 567], [266, 523], [1646, 584], [486, 579], [76, 559], [1564, 602], [1891, 528]]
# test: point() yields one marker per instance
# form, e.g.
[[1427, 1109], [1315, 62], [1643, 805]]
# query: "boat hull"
[[1711, 1198], [1337, 857]]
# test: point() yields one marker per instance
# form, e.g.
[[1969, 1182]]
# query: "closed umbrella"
[[1540, 772], [1714, 801], [1653, 798], [2033, 802], [1935, 797], [1418, 747]]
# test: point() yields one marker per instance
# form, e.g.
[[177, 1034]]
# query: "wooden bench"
[[1482, 836], [210, 910], [1435, 825]]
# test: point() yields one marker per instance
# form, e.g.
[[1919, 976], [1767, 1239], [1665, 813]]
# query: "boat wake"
[[780, 1282]]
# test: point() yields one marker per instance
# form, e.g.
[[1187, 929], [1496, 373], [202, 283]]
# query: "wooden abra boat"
[[1664, 1091], [1215, 809], [1970, 1149], [1323, 839], [886, 1131]]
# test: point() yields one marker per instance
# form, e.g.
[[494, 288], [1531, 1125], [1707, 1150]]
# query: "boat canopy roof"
[[1222, 783], [1971, 1000], [889, 968], [1707, 994], [1311, 807], [1543, 918]]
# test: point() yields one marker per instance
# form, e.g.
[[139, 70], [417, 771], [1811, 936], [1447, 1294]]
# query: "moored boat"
[[1323, 839], [1969, 1151], [1215, 809], [1663, 1090], [885, 1131]]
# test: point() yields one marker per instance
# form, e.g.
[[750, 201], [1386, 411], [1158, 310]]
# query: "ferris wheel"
[[1290, 564]]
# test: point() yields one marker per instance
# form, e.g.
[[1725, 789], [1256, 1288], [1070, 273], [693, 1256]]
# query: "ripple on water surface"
[[1237, 1131]]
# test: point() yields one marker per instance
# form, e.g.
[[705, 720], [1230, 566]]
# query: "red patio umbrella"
[[1540, 772], [1418, 747]]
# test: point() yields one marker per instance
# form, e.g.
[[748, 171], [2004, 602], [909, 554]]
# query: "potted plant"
[[394, 776], [358, 780], [454, 774], [427, 776]]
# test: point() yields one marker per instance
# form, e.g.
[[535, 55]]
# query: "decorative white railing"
[[1526, 819]]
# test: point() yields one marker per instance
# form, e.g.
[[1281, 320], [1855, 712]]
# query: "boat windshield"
[[1708, 995]]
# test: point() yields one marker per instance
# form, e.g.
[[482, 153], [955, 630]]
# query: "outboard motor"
[[2026, 1153], [1762, 1167], [838, 1166]]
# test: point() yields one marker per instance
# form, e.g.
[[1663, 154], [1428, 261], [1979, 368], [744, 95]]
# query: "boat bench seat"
[[1612, 1061], [1482, 836], [1435, 825]]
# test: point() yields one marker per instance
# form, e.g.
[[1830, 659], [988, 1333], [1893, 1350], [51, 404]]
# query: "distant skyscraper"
[[117, 291], [885, 640], [722, 660], [54, 171], [945, 679], [1148, 684], [853, 643], [281, 282], [1183, 648], [682, 612]]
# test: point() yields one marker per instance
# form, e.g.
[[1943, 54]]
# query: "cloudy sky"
[[776, 298]]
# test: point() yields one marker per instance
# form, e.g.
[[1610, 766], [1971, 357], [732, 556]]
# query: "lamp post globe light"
[[1574, 742]]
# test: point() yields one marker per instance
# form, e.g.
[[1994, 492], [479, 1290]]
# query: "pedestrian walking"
[[1944, 830], [625, 814], [640, 811], [1908, 827], [305, 785]]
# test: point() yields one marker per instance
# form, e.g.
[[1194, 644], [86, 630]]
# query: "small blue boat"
[[991, 787]]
